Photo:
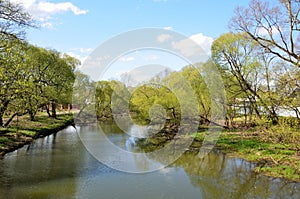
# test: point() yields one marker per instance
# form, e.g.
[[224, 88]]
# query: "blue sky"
[[79, 26]]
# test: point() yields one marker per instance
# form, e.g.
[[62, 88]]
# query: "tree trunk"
[[47, 109], [1, 119], [245, 113], [297, 112], [2, 111], [32, 115], [10, 119], [274, 117], [53, 109]]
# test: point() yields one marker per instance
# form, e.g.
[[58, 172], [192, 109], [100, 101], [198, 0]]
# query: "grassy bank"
[[272, 157], [23, 131], [276, 152]]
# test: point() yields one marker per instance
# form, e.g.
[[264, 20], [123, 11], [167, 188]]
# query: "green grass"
[[3, 140], [274, 159], [23, 130], [281, 171]]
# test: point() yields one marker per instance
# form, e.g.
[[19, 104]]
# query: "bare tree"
[[13, 19], [276, 28]]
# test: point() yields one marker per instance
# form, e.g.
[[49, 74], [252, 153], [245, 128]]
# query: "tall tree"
[[274, 26], [12, 73], [238, 55], [59, 77], [83, 92], [13, 19], [193, 76]]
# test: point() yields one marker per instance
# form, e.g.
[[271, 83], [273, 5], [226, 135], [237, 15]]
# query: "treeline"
[[247, 103], [31, 77], [260, 59], [258, 62], [158, 100]]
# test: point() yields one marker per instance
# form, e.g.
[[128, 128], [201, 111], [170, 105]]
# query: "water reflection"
[[49, 166], [59, 166], [218, 175], [110, 148]]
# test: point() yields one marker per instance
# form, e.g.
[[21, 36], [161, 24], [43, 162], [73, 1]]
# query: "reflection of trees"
[[219, 176], [45, 168]]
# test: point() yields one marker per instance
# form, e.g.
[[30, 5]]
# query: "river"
[[60, 166]]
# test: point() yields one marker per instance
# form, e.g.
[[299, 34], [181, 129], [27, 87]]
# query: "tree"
[[275, 28], [288, 88], [30, 77], [13, 19], [83, 92], [148, 100], [239, 56], [103, 99], [51, 79], [33, 97], [12, 73], [59, 79], [12, 22], [198, 84]]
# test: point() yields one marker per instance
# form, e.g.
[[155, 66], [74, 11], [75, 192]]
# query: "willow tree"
[[154, 103], [193, 76], [83, 93]]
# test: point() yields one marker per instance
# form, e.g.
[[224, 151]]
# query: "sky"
[[77, 27]]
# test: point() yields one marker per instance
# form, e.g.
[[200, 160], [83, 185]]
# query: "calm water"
[[59, 166]]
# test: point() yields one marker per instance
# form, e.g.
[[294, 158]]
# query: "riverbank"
[[280, 159], [23, 131]]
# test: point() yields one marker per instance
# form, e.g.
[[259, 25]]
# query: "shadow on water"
[[59, 166]]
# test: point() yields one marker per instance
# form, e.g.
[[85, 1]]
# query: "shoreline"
[[276, 160], [15, 137]]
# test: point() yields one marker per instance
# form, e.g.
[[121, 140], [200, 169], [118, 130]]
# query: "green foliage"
[[147, 99], [200, 89], [31, 77], [111, 98]]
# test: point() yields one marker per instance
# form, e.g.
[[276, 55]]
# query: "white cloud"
[[80, 53], [78, 56], [194, 44], [263, 31], [203, 41], [43, 10], [168, 28], [53, 8], [127, 59], [163, 37]]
